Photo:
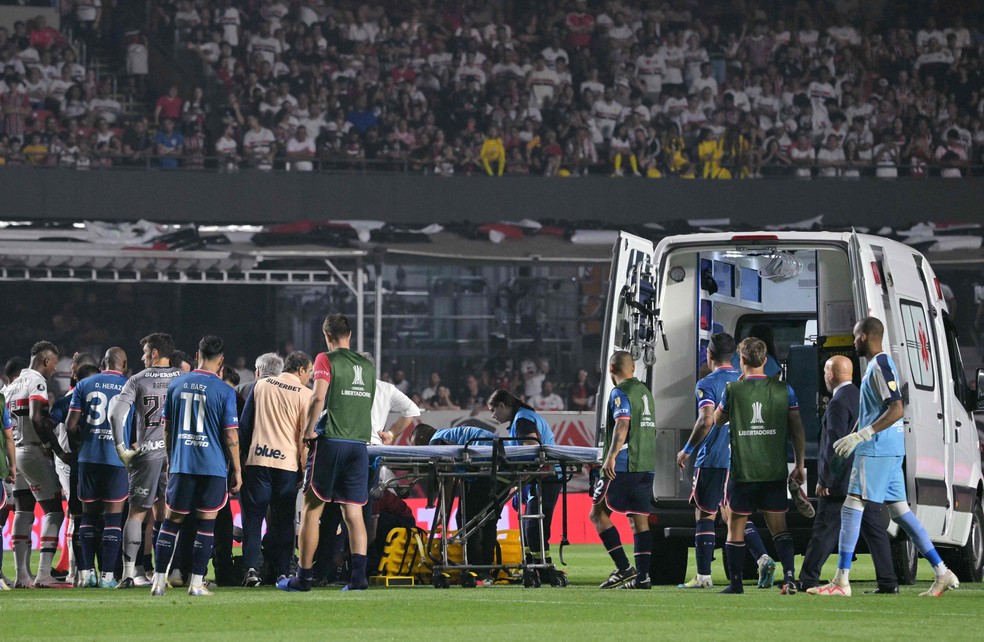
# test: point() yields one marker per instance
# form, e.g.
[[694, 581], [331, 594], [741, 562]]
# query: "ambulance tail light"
[[875, 272]]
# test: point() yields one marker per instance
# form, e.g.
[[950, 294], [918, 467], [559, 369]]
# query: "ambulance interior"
[[804, 295]]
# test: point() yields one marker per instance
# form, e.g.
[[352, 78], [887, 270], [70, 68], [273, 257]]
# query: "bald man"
[[103, 484], [832, 483]]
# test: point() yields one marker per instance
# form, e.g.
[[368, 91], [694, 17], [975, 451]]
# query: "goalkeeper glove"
[[126, 455], [846, 445]]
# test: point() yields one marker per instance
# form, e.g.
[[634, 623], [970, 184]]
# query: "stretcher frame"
[[510, 467]]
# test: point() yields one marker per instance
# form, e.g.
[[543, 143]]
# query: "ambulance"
[[665, 301]]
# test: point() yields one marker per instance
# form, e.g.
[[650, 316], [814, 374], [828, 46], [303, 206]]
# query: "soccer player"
[[711, 467], [876, 475], [142, 450], [8, 472], [526, 424], [37, 481], [338, 461], [201, 428], [102, 478], [272, 426], [83, 365], [627, 474], [764, 416]]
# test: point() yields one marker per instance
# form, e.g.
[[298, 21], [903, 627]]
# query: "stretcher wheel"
[[560, 580], [531, 579], [635, 351], [441, 581], [649, 358], [468, 580]]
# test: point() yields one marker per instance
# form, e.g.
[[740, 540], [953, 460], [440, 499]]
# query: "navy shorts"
[[744, 498], [102, 483], [707, 493], [203, 493], [338, 471], [630, 493]]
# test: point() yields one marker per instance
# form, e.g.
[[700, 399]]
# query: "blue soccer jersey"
[[880, 387], [715, 450], [542, 427], [199, 408], [461, 435], [91, 397]]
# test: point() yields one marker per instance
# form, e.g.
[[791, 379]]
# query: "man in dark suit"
[[832, 479]]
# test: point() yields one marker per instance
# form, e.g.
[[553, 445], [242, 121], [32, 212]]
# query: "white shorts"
[[36, 472]]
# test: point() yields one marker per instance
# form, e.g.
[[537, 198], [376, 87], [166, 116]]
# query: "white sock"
[[703, 578], [841, 576], [108, 576], [21, 535], [762, 560], [129, 570], [196, 580], [940, 569], [160, 578], [50, 525]]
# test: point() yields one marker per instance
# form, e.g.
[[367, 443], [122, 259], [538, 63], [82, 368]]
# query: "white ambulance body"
[[666, 300]]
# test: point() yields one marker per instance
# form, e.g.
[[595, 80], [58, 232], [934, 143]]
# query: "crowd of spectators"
[[531, 382], [561, 87]]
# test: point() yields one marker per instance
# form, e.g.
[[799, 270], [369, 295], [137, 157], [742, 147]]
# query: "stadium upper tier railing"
[[331, 165]]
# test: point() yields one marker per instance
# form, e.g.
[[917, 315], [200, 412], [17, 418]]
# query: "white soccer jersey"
[[386, 400], [29, 386]]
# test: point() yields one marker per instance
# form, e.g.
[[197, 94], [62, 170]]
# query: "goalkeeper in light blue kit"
[[876, 476]]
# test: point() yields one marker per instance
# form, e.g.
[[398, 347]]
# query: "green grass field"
[[578, 612]]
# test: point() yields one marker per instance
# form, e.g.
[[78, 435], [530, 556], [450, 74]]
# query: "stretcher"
[[440, 470]]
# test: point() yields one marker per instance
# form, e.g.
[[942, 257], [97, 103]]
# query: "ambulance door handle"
[[939, 415]]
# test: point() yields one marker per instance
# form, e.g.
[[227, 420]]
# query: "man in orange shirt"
[[272, 426]]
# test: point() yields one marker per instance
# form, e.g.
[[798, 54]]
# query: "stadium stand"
[[710, 90]]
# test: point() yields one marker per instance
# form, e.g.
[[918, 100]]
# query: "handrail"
[[332, 164]]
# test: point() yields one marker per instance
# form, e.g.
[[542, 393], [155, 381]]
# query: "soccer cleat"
[[697, 583], [943, 583], [617, 578], [107, 584], [3, 585], [175, 579], [50, 582], [831, 589], [767, 572], [350, 587], [788, 587], [284, 584], [199, 590], [141, 580], [126, 583], [638, 582], [733, 590], [251, 579], [800, 500], [157, 589]]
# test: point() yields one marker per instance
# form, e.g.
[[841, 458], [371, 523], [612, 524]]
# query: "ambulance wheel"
[[905, 560], [560, 580], [635, 351], [468, 579], [968, 560]]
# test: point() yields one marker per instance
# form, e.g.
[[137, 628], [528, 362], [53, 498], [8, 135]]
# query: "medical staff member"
[[526, 425]]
